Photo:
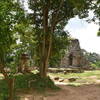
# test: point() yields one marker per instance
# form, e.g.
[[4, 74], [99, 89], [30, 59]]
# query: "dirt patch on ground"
[[85, 92]]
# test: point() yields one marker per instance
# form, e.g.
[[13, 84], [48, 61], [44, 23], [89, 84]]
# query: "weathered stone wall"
[[74, 57]]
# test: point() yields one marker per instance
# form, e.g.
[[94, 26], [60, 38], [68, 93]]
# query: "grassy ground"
[[22, 81], [88, 77], [26, 82], [75, 91]]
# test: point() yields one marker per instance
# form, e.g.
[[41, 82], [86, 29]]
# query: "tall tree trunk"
[[42, 59], [47, 41], [48, 54], [45, 59], [43, 56], [11, 89], [10, 83]]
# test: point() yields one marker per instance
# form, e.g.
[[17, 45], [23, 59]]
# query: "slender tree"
[[47, 16], [10, 14]]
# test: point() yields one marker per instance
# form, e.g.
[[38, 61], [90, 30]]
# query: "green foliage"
[[92, 57], [9, 16], [27, 81], [96, 8], [60, 44], [96, 64], [34, 81], [29, 30], [50, 18], [21, 81], [42, 84], [98, 33], [3, 90]]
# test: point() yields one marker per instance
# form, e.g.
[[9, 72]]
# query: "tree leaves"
[[8, 20]]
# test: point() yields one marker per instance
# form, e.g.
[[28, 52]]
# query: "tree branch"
[[55, 15]]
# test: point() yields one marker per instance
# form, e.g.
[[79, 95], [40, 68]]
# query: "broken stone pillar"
[[23, 63]]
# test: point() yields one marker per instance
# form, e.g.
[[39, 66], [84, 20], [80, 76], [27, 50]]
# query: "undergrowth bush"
[[34, 81], [96, 64], [25, 81], [3, 90], [43, 84]]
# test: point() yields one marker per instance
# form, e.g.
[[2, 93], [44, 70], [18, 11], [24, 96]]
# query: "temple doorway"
[[70, 59]]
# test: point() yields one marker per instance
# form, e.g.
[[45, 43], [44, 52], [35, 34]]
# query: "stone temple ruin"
[[74, 57]]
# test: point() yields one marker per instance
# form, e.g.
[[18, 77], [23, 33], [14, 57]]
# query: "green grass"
[[1, 76], [22, 81], [85, 74], [74, 84], [87, 77]]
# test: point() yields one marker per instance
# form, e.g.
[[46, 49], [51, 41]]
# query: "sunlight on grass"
[[74, 84], [87, 77], [35, 71], [85, 74], [1, 76]]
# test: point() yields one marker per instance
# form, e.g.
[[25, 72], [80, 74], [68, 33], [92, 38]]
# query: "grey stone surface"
[[74, 57]]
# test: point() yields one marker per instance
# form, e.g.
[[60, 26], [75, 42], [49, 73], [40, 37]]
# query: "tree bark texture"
[[10, 83]]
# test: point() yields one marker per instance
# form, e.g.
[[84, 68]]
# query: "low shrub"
[[42, 84], [26, 81], [34, 81], [3, 90]]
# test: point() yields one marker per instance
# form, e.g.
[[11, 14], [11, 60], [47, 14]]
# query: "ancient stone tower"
[[74, 57]]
